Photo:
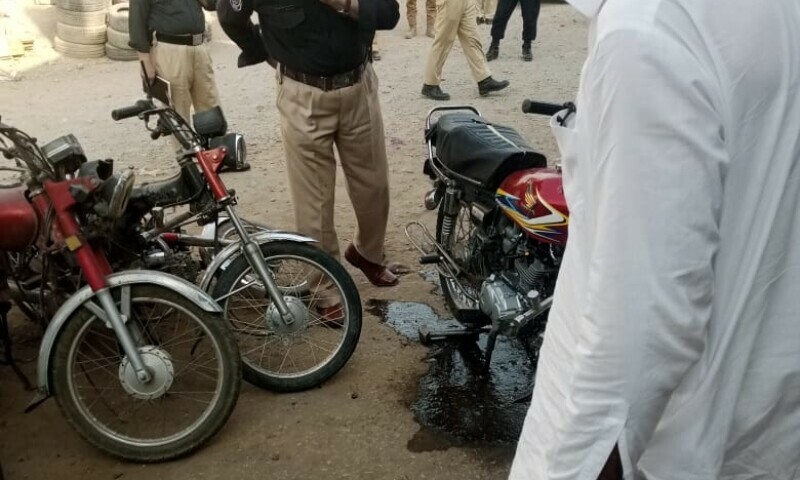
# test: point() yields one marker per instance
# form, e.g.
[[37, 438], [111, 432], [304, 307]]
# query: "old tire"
[[118, 39], [118, 17], [77, 50], [94, 35], [83, 5], [81, 19], [120, 54]]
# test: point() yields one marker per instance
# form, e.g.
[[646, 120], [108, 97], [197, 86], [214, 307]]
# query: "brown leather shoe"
[[331, 317], [377, 274]]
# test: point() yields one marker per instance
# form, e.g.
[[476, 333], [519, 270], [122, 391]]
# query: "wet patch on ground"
[[460, 401]]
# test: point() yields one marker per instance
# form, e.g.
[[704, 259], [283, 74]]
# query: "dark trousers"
[[530, 16]]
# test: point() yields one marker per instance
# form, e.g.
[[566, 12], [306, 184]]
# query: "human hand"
[[337, 5]]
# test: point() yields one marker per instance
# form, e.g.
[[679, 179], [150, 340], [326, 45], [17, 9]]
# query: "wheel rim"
[[279, 351], [97, 370], [459, 249]]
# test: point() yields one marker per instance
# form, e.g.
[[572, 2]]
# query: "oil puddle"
[[461, 402]]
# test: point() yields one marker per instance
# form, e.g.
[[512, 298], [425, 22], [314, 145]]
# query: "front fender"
[[129, 277], [226, 255]]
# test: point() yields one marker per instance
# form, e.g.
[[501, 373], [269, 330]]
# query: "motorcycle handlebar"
[[132, 111], [541, 108]]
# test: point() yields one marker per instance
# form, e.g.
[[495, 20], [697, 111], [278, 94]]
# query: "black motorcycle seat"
[[472, 147]]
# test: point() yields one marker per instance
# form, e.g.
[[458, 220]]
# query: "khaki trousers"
[[456, 18], [190, 73], [430, 13], [486, 8], [314, 124]]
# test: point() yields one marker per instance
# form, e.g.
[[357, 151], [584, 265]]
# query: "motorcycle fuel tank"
[[534, 200], [19, 223]]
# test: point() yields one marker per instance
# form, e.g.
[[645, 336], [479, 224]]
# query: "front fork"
[[252, 252], [95, 268]]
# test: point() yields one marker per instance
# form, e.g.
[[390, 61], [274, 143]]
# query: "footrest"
[[428, 336]]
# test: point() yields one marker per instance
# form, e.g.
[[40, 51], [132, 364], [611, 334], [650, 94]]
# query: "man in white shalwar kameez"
[[675, 330]]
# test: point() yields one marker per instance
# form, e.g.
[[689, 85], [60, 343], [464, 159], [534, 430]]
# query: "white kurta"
[[675, 328]]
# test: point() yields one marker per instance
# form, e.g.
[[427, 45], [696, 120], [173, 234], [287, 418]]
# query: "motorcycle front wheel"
[[326, 312], [193, 361]]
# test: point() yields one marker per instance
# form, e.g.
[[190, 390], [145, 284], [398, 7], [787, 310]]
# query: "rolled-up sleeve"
[[234, 18], [138, 28], [652, 131]]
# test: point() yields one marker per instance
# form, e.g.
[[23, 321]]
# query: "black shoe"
[[435, 93], [527, 54], [489, 85], [493, 52]]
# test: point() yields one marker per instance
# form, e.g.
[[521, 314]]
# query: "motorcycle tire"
[[119, 40], [94, 35], [118, 17], [171, 445], [468, 317], [81, 19], [83, 5], [77, 50], [121, 54], [227, 284]]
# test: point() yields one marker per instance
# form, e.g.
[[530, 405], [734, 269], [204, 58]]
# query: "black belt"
[[192, 40], [333, 82]]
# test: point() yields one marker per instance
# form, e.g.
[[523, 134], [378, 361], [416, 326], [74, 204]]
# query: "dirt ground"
[[359, 425]]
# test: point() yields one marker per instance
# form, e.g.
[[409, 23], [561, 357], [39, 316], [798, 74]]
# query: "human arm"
[[371, 15], [652, 133], [138, 25], [234, 18], [140, 35]]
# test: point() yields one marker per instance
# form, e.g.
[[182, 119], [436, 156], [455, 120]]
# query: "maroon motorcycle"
[[140, 362], [501, 228]]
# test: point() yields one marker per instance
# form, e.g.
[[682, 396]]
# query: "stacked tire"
[[117, 47], [81, 28]]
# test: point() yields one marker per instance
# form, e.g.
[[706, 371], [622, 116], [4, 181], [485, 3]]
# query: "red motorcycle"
[[501, 228], [140, 362]]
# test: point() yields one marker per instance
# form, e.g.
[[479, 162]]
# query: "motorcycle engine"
[[530, 271], [499, 300], [178, 263]]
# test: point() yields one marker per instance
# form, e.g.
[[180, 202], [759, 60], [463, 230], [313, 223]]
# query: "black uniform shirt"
[[171, 17], [305, 35]]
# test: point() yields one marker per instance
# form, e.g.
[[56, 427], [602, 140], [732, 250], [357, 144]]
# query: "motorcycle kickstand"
[[491, 341], [5, 341]]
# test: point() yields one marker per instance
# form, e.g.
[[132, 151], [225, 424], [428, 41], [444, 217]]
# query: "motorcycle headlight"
[[236, 158], [121, 193]]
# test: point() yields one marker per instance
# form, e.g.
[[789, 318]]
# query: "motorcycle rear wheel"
[[309, 279], [129, 420], [455, 244]]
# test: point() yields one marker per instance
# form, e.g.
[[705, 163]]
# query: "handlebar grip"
[[541, 108], [132, 111]]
